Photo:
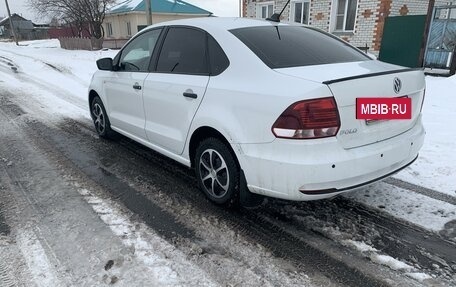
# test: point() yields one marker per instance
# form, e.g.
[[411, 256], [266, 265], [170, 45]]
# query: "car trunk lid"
[[369, 79]]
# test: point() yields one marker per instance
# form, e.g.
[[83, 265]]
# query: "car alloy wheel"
[[99, 118], [217, 172], [214, 173]]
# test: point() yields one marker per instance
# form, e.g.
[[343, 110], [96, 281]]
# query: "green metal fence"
[[402, 40]]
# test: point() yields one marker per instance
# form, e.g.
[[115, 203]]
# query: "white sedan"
[[258, 107]]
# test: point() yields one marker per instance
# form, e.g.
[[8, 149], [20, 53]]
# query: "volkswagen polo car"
[[258, 107]]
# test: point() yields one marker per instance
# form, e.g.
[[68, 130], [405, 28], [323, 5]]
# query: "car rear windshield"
[[294, 46]]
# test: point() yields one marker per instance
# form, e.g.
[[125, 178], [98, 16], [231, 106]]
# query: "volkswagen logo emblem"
[[397, 85]]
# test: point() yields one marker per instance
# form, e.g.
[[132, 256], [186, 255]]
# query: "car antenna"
[[276, 17]]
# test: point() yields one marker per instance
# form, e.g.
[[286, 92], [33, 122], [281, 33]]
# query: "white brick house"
[[359, 22]]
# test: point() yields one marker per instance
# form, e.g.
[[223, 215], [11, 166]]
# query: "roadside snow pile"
[[57, 79], [386, 260], [418, 276], [390, 262], [49, 43], [44, 61], [436, 166]]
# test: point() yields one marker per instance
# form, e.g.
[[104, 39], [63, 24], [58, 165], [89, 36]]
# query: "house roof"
[[158, 6], [15, 17]]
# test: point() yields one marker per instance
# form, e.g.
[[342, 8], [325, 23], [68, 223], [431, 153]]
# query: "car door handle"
[[136, 86], [190, 95]]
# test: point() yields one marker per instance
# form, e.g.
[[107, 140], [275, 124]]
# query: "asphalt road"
[[45, 164]]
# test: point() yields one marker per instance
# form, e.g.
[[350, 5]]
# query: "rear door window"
[[184, 52], [294, 46]]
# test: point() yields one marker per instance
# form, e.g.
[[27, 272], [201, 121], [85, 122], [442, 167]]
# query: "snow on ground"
[[168, 266], [37, 261], [59, 79], [54, 74], [421, 210], [419, 276], [386, 260]]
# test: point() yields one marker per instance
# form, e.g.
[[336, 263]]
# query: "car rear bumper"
[[322, 168]]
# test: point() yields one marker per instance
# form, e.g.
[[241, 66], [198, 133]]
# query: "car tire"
[[100, 118], [217, 172]]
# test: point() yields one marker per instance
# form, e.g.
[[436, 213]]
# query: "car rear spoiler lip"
[[371, 75]]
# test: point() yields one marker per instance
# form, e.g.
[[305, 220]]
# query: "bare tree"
[[82, 14]]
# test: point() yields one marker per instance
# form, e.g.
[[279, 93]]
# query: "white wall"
[[119, 22]]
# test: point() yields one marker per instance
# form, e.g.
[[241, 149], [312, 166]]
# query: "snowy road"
[[79, 211]]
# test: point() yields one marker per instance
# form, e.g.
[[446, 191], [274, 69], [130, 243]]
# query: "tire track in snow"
[[154, 214], [75, 77], [70, 147], [173, 269], [48, 87], [402, 239], [422, 190], [6, 279], [33, 242], [44, 275], [4, 228], [279, 241]]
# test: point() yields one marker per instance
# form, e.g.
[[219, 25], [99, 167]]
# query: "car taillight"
[[309, 119]]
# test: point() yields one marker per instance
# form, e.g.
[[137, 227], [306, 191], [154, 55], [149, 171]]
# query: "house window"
[[300, 11], [109, 29], [346, 15], [128, 28], [265, 10]]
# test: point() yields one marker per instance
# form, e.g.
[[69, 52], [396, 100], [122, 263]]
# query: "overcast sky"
[[218, 7]]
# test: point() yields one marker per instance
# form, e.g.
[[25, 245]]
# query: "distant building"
[[127, 18], [25, 29], [359, 22], [21, 25], [2, 28]]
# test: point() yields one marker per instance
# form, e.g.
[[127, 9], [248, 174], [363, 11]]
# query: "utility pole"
[[148, 12], [427, 27], [240, 8], [11, 22]]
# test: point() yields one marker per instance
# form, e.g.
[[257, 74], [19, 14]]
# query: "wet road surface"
[[163, 195]]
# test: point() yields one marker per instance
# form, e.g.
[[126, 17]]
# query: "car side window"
[[136, 55], [217, 58], [183, 52]]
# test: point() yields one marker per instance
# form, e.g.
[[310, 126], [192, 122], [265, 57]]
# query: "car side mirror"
[[105, 64]]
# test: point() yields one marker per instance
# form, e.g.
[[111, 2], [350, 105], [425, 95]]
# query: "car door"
[[175, 88], [124, 89]]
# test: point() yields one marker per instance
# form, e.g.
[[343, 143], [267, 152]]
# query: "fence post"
[[453, 63], [427, 28]]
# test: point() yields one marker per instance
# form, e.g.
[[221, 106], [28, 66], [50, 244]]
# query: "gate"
[[440, 48], [402, 40]]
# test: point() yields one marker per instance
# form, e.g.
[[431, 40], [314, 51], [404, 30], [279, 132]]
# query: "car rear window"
[[294, 46]]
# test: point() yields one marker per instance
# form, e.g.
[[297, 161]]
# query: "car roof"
[[220, 23]]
